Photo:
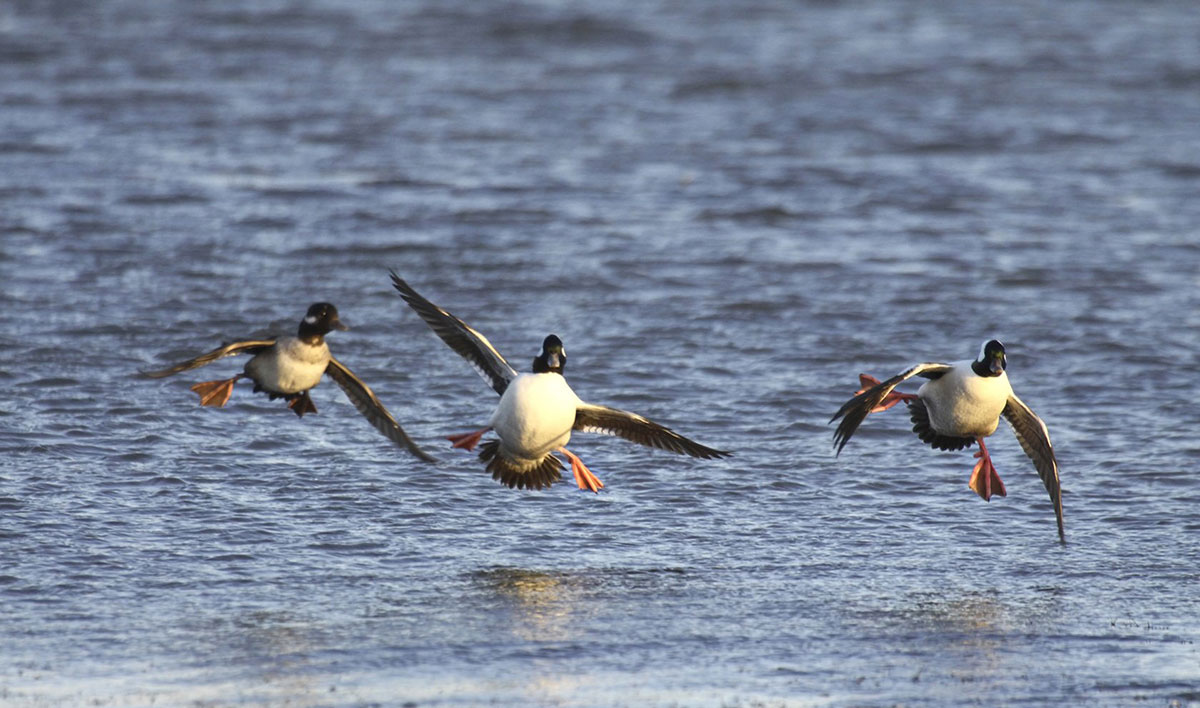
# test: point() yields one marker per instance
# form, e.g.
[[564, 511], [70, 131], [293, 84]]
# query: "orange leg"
[[468, 441], [583, 476], [984, 480], [215, 393], [867, 381]]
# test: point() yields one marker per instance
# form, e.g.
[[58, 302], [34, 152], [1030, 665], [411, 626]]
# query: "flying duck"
[[538, 410], [287, 367], [961, 404]]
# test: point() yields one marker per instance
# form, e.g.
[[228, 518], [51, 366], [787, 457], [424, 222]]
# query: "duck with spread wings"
[[538, 411], [958, 406], [288, 367]]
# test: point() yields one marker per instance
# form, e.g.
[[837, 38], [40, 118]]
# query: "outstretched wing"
[[1031, 432], [631, 426], [857, 408], [470, 345], [248, 347], [365, 401]]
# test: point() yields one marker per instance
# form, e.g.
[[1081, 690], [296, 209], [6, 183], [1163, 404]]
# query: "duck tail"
[[520, 474], [924, 430]]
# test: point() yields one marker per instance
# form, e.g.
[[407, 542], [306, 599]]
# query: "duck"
[[289, 367], [960, 405], [538, 410]]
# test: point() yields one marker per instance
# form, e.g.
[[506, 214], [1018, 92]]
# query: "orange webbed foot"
[[467, 441], [985, 481], [867, 381], [583, 476], [215, 393]]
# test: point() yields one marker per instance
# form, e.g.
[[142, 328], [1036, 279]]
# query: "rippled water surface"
[[727, 211]]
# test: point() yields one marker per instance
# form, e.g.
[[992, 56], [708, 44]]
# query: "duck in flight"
[[288, 367], [959, 405], [538, 411]]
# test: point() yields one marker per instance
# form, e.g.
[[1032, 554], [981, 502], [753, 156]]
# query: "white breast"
[[291, 366], [964, 404], [535, 414]]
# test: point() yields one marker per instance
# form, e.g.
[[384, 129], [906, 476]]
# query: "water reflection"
[[971, 613], [548, 613], [545, 606], [977, 611], [969, 635]]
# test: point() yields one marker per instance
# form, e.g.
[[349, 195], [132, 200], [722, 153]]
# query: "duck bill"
[[997, 365], [553, 361], [338, 325]]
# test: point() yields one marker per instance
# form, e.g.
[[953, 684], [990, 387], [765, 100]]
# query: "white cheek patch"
[[311, 319]]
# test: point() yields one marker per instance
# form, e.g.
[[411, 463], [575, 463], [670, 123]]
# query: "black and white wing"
[[470, 345], [248, 347], [631, 426], [1031, 432], [857, 408], [376, 414]]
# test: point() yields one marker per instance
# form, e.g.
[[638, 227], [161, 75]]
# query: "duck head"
[[991, 361], [553, 357], [320, 320]]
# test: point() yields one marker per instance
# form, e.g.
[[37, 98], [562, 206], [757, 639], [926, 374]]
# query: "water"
[[727, 212]]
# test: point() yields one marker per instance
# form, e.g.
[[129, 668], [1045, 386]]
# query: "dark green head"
[[991, 361], [553, 357]]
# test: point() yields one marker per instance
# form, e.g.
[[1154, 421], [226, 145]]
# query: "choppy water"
[[727, 211]]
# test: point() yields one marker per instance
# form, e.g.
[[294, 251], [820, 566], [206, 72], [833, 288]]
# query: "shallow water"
[[727, 214]]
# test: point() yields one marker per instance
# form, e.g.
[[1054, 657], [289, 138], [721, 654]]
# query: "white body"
[[291, 366], [535, 415], [963, 404]]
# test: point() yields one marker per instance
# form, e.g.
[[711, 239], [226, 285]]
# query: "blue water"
[[727, 211]]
